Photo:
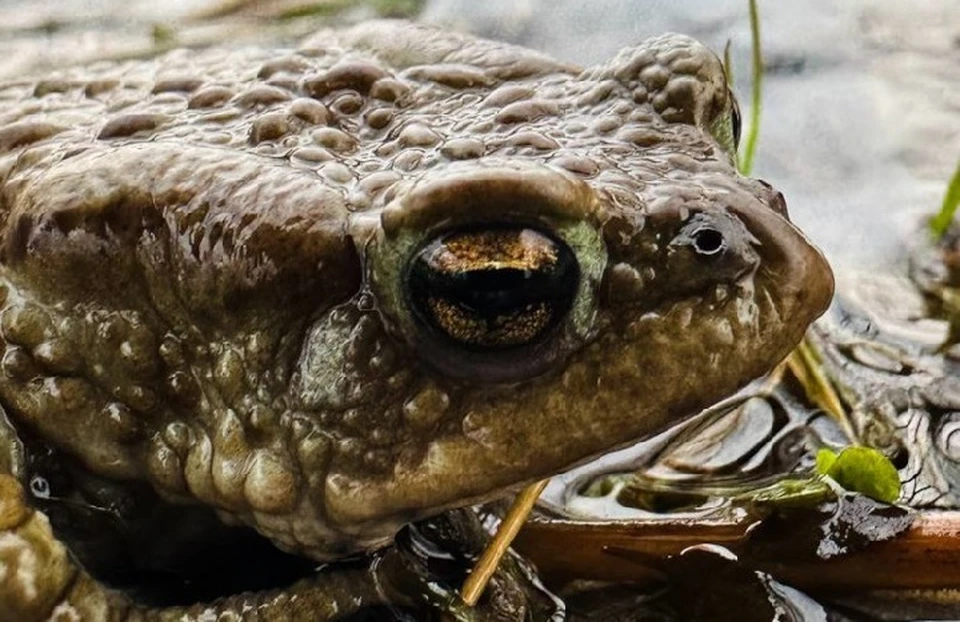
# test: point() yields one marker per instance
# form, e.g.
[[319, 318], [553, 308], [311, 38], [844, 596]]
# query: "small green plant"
[[951, 200], [861, 469]]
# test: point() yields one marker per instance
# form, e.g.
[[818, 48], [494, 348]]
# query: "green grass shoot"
[[951, 199], [750, 147]]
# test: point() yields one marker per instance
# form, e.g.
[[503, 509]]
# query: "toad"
[[331, 290]]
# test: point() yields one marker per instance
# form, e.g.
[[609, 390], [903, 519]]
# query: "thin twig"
[[926, 556], [522, 506]]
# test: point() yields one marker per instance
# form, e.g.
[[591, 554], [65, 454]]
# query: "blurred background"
[[860, 125]]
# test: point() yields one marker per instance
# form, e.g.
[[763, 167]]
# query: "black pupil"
[[708, 241], [493, 288]]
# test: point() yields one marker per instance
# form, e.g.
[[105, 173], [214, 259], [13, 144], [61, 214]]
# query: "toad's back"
[[383, 102]]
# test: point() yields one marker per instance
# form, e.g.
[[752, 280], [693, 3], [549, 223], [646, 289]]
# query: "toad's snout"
[[793, 269]]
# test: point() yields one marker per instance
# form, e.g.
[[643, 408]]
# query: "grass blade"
[[941, 222], [750, 149]]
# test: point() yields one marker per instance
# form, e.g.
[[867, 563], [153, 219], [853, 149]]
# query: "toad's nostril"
[[708, 242], [493, 288]]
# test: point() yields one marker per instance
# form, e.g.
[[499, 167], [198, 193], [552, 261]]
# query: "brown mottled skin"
[[203, 263]]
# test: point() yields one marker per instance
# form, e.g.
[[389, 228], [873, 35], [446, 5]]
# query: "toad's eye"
[[494, 288]]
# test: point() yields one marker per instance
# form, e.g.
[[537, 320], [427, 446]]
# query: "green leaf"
[[861, 469], [825, 459]]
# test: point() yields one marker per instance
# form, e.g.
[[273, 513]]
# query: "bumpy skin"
[[204, 259]]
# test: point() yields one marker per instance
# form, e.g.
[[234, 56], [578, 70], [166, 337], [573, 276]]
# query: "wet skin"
[[332, 290]]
